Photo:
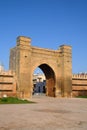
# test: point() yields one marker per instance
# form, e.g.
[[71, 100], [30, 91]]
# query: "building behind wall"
[[1, 67], [39, 84]]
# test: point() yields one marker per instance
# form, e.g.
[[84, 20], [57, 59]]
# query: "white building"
[[1, 67], [39, 82]]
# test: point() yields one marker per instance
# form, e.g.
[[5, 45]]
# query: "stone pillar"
[[23, 66], [66, 74]]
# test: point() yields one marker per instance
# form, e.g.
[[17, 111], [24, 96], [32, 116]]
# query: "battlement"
[[22, 40], [79, 76], [9, 73]]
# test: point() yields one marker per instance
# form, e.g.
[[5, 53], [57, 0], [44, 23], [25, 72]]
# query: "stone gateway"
[[56, 65]]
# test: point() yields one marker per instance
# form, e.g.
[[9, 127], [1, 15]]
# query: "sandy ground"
[[47, 114]]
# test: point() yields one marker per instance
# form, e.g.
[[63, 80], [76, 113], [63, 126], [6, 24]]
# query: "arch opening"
[[46, 83], [39, 82]]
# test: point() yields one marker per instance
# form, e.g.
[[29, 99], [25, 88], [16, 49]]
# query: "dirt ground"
[[47, 114]]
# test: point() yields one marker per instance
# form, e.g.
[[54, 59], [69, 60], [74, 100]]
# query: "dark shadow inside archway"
[[50, 80]]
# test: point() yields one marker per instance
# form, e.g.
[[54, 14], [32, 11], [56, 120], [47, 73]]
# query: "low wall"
[[7, 84], [79, 84]]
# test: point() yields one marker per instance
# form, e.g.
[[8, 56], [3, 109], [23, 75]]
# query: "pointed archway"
[[50, 79]]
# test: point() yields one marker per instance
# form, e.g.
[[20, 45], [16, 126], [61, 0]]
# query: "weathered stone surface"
[[7, 83], [79, 84], [56, 65]]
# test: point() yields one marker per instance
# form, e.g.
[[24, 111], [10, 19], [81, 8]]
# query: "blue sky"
[[49, 23]]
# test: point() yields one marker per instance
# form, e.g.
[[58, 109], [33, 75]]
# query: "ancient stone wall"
[[79, 84], [56, 65], [7, 83]]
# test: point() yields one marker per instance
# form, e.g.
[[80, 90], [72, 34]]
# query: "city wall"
[[79, 84], [56, 65], [8, 84]]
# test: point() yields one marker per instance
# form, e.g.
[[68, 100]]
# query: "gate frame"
[[24, 59]]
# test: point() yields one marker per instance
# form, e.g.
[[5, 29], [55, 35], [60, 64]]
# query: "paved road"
[[47, 114]]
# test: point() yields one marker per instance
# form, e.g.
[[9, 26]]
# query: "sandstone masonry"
[[56, 65]]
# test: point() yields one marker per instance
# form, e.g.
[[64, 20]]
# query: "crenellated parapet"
[[79, 76], [9, 73], [79, 84]]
